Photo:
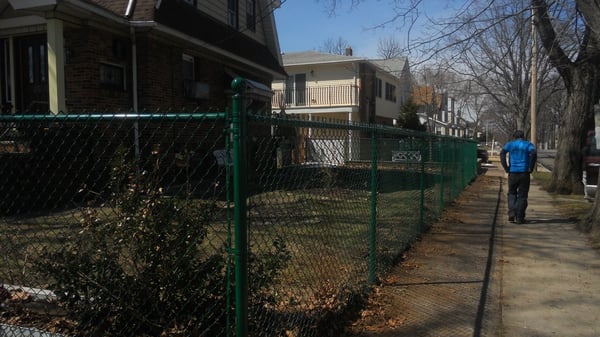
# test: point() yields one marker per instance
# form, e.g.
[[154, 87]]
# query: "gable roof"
[[396, 66]]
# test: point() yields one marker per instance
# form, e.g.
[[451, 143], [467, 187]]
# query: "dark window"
[[251, 15], [390, 92], [300, 86], [232, 13], [31, 62], [378, 87], [112, 76]]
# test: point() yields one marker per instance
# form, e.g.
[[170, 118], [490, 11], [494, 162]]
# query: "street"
[[546, 158]]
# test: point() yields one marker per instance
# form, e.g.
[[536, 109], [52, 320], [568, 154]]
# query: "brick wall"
[[160, 84], [87, 50]]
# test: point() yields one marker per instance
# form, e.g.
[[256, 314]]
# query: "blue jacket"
[[522, 156]]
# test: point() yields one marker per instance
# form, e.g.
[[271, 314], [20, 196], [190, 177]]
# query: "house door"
[[295, 90], [31, 72], [300, 86]]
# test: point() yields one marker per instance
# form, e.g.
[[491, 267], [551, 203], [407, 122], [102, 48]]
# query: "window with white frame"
[[194, 87]]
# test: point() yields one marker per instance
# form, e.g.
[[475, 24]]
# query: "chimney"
[[348, 51]]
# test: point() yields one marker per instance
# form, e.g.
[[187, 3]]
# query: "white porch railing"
[[321, 96]]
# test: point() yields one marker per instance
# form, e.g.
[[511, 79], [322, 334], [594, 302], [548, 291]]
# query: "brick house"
[[106, 56], [132, 55]]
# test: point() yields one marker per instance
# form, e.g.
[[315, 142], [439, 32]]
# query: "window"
[[112, 76], [190, 2], [251, 15], [187, 67], [36, 64], [378, 87], [390, 92], [192, 87], [187, 62], [5, 71], [232, 13]]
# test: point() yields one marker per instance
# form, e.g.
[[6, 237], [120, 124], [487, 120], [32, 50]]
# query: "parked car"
[[482, 155]]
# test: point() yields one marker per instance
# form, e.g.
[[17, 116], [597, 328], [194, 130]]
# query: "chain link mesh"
[[123, 226]]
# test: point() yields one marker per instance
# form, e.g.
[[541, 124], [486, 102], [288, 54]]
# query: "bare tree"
[[334, 46], [580, 72], [498, 60], [388, 48], [569, 32]]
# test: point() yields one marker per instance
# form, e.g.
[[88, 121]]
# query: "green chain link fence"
[[208, 224]]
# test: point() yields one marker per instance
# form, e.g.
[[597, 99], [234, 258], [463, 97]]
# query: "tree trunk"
[[581, 94]]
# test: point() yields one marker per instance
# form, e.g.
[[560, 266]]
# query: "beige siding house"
[[323, 86], [342, 87]]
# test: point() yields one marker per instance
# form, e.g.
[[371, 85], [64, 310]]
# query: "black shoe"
[[511, 218], [520, 221]]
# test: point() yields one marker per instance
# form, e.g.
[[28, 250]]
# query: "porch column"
[[56, 69]]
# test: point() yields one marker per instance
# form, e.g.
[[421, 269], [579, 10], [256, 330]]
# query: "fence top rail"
[[332, 124], [119, 116], [293, 121]]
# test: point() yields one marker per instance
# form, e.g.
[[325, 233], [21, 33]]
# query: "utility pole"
[[534, 55]]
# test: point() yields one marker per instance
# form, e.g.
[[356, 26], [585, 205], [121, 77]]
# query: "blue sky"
[[306, 25]]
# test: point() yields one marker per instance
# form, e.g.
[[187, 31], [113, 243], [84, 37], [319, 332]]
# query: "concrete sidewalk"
[[476, 274], [549, 274]]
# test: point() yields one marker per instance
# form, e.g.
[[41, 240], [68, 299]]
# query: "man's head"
[[519, 134]]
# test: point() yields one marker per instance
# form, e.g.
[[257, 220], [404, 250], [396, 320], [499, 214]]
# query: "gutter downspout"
[[134, 83], [134, 89], [130, 7]]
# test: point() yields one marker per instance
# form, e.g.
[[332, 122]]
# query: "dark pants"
[[518, 190]]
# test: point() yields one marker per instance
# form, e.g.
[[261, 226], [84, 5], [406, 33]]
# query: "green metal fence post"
[[373, 229], [453, 174], [422, 188], [442, 172], [239, 131]]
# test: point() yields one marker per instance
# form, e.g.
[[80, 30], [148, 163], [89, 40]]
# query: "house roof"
[[313, 57], [176, 18], [216, 33], [396, 66]]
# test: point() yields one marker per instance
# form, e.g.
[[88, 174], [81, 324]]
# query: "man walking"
[[522, 157]]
